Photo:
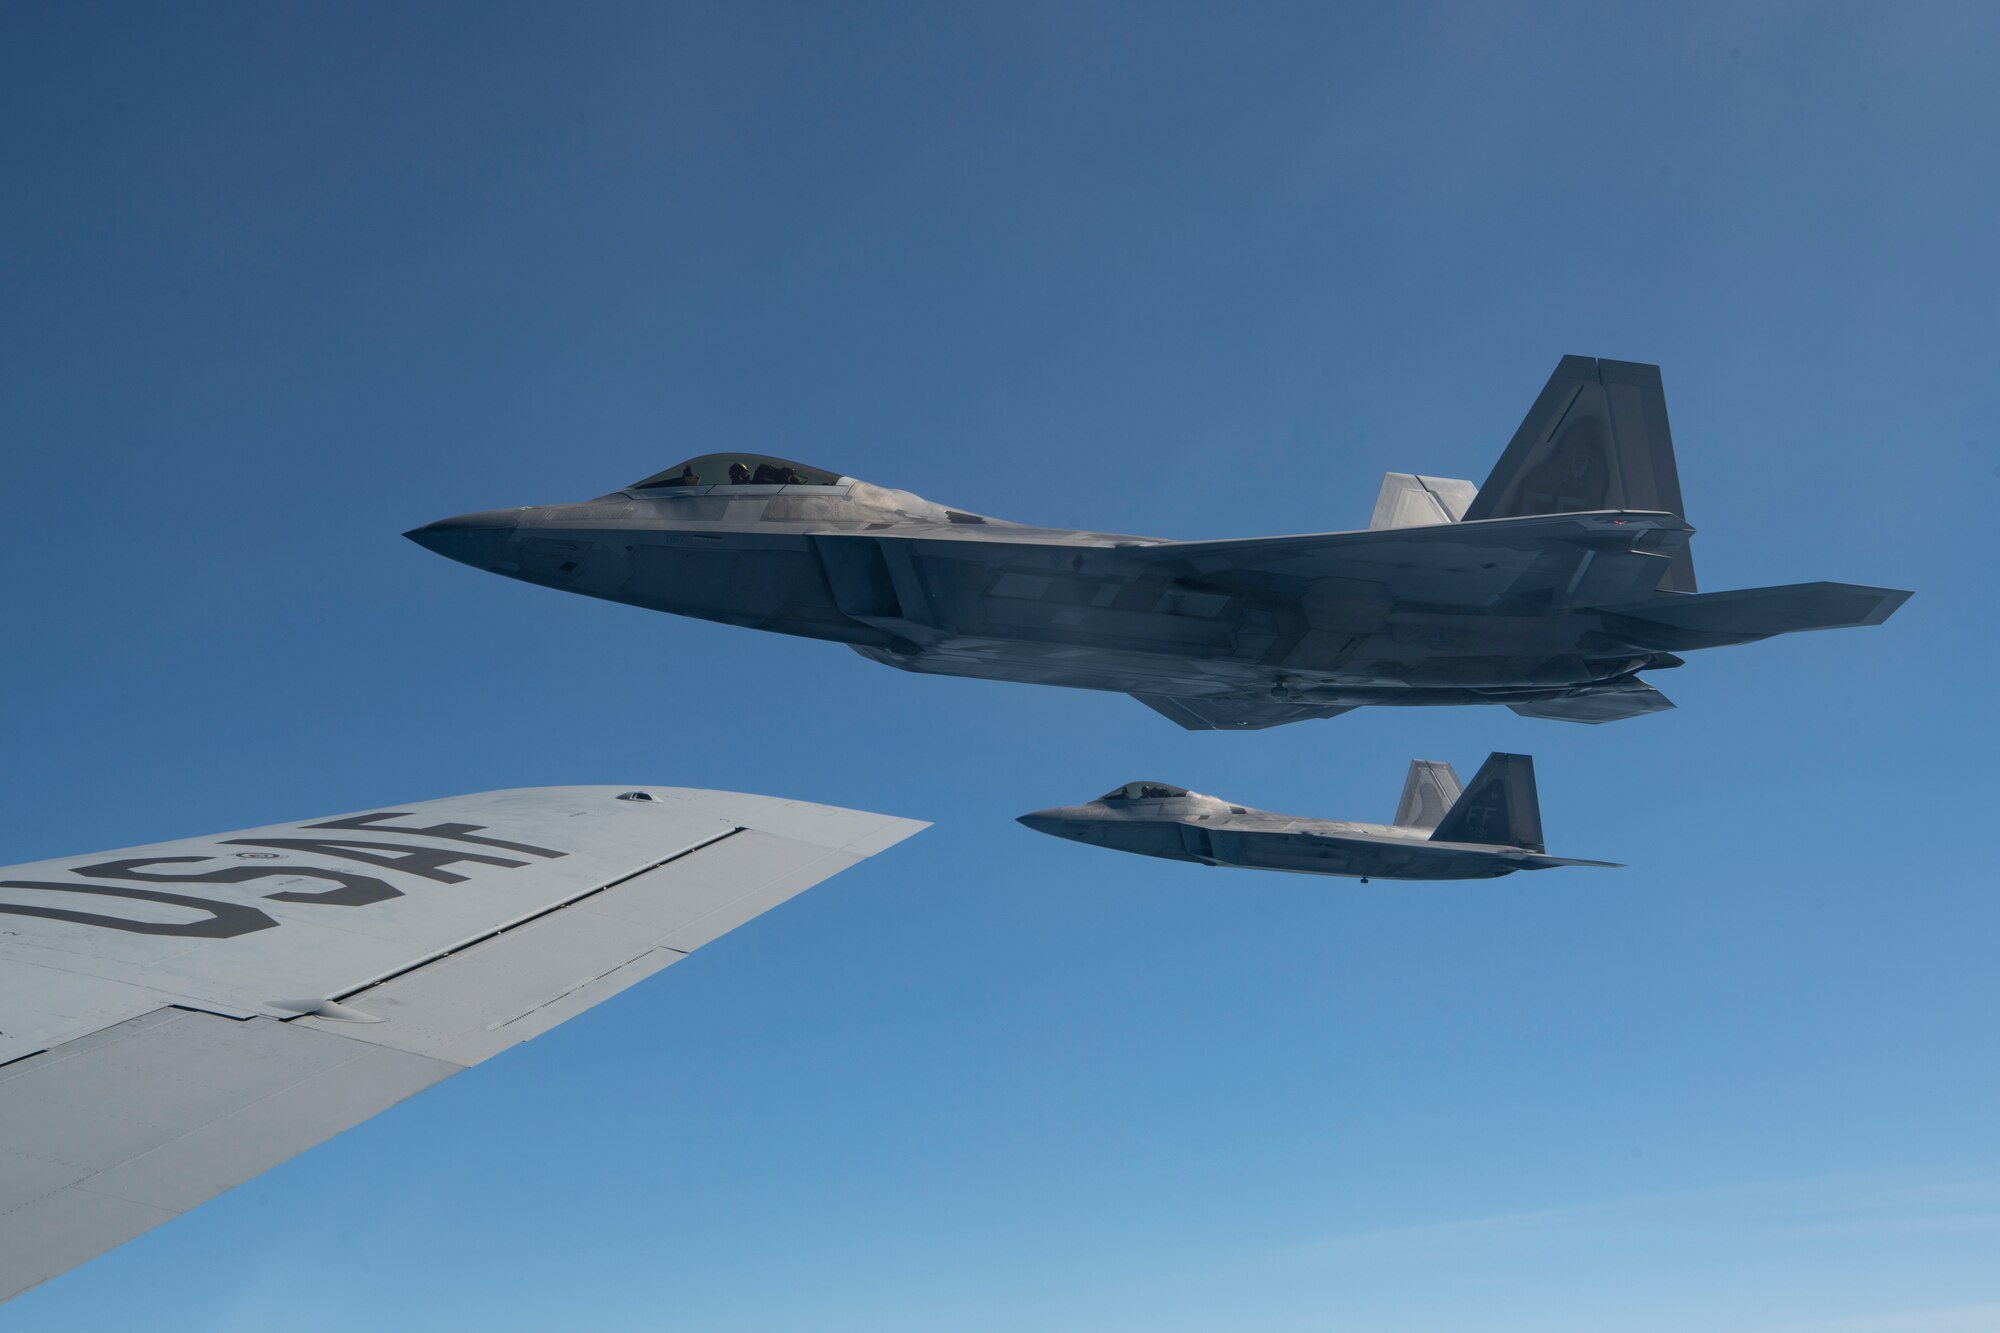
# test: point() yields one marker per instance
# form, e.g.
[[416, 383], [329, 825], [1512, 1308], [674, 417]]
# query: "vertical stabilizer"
[[1500, 807], [1597, 438], [1427, 793], [1410, 501]]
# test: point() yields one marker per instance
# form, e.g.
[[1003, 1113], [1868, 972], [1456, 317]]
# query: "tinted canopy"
[[737, 470], [1143, 791]]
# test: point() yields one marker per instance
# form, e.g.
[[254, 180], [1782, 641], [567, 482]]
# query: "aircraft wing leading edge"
[[181, 1018]]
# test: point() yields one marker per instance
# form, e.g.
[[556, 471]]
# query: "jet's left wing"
[[178, 1018]]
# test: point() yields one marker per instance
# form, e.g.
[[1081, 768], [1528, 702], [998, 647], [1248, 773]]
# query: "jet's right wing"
[[176, 1019]]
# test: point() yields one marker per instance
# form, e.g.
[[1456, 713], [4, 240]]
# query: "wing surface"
[[1612, 702], [178, 1018], [1235, 712], [1538, 561]]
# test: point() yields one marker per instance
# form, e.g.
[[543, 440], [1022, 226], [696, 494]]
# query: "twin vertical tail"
[[1597, 438], [1499, 808], [1428, 792]]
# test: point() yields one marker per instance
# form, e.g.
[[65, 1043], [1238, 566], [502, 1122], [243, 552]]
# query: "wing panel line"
[[535, 915]]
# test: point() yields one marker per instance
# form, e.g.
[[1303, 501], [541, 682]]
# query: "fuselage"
[[924, 587], [1548, 588]]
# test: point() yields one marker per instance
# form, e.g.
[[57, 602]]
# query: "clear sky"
[[279, 281]]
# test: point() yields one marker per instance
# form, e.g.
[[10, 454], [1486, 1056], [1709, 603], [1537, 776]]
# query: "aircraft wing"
[[1610, 702], [1235, 712], [178, 1018], [1537, 562], [1538, 862]]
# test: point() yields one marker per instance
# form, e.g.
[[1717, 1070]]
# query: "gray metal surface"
[[180, 1017], [112, 1134], [1492, 828], [1428, 792], [1547, 590], [1499, 807], [1596, 438], [1409, 501]]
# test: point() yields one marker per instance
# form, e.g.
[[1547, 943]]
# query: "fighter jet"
[[1492, 828], [1549, 589]]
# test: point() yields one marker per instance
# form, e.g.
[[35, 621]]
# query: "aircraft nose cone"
[[1056, 822], [478, 540]]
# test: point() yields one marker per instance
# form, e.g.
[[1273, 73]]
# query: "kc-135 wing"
[[178, 1018]]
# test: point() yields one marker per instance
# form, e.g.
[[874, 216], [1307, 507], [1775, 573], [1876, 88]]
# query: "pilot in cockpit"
[[1144, 791], [736, 470]]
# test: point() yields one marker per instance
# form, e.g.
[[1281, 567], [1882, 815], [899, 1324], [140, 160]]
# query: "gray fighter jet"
[[1492, 828], [1548, 589]]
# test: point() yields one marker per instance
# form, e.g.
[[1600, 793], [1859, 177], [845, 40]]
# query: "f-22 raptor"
[[1549, 589], [1492, 828]]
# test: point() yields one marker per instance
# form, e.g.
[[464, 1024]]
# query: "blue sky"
[[283, 280]]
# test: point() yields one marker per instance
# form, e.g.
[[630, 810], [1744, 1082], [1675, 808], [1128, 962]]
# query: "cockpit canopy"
[[1143, 791], [737, 470]]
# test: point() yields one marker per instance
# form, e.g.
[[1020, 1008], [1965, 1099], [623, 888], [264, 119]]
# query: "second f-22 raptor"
[[1549, 589], [1492, 828]]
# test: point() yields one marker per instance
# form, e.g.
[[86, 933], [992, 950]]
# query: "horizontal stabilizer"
[[1409, 501], [1428, 792], [1556, 862], [1499, 808], [1614, 702], [1596, 438], [1710, 619], [1235, 712]]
